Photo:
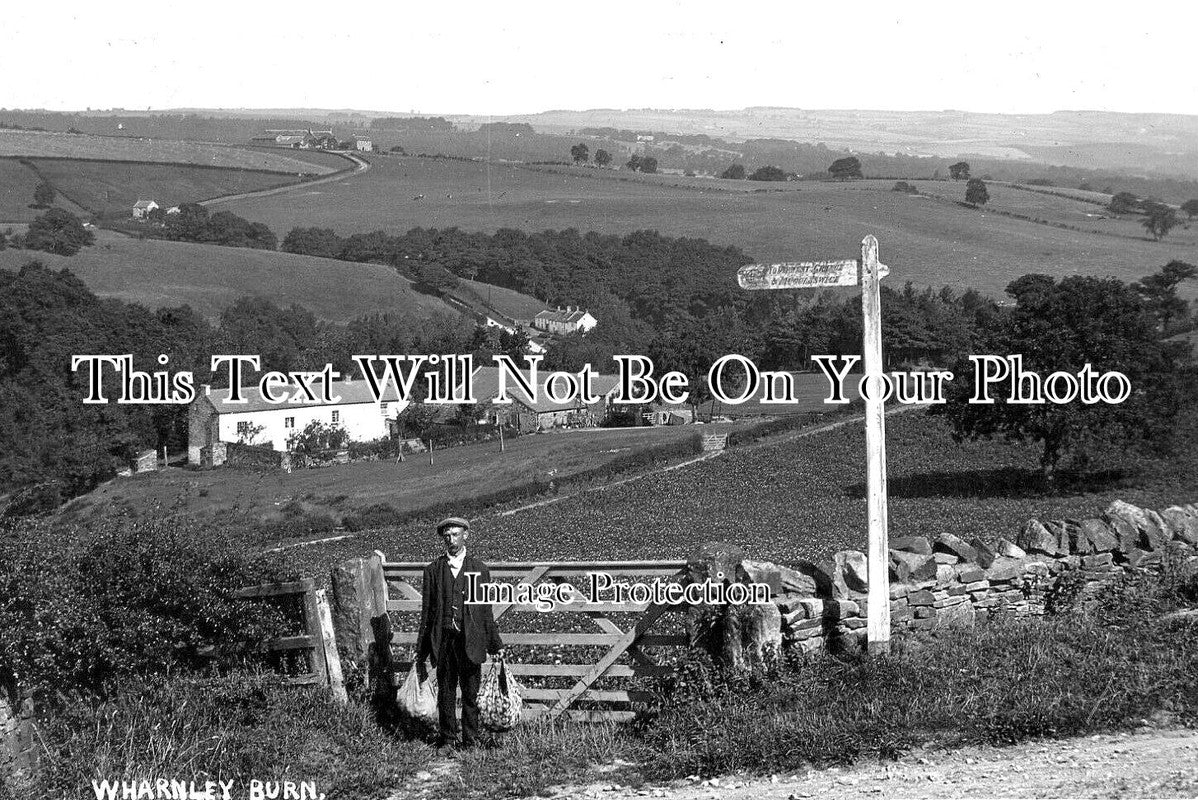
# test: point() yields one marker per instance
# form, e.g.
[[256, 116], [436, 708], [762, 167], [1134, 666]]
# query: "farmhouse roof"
[[350, 392], [486, 387], [570, 316], [145, 204]]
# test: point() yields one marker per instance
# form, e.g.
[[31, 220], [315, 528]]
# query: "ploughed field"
[[108, 189], [927, 240], [127, 148], [804, 499], [209, 278]]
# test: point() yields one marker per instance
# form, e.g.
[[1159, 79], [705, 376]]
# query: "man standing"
[[457, 636]]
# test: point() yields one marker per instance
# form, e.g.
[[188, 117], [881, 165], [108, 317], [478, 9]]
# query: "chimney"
[[207, 389]]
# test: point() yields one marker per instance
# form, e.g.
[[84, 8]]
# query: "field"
[[924, 240], [513, 304], [122, 148], [209, 278], [803, 498], [108, 189], [455, 474]]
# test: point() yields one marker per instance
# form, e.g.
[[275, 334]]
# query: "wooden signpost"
[[867, 272]]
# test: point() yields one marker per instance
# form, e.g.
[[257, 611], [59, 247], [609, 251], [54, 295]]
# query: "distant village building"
[[570, 320], [363, 145], [299, 139], [142, 208], [212, 419], [541, 413]]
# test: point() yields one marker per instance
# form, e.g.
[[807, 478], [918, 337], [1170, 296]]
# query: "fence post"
[[312, 625], [324, 618], [353, 608], [18, 757], [381, 663]]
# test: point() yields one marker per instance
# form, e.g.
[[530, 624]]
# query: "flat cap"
[[453, 522]]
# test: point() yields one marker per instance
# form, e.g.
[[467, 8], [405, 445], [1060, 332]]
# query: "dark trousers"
[[454, 669]]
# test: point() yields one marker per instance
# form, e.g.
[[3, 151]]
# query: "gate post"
[[380, 662]]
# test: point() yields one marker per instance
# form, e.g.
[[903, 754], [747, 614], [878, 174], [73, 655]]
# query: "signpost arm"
[[878, 603]]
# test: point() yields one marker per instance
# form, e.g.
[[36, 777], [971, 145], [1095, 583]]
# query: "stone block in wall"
[[852, 623], [1064, 530], [1181, 524], [968, 573], [813, 645], [977, 586], [899, 610], [945, 558], [840, 609], [959, 615], [801, 579], [952, 600], [985, 553], [898, 590], [789, 602], [828, 580], [912, 544], [1100, 537], [1100, 561], [1035, 538], [710, 560], [1009, 549], [923, 597], [956, 589], [854, 569], [924, 624], [949, 543], [1004, 569], [1142, 559], [764, 572], [1037, 568], [945, 576], [1125, 530], [1148, 524], [918, 567]]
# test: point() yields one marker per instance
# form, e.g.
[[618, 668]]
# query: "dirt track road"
[[361, 166], [1151, 763]]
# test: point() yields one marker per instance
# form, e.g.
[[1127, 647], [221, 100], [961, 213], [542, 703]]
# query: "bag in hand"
[[417, 698], [499, 701]]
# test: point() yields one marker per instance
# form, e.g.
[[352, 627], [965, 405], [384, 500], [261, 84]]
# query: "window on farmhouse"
[[336, 417], [243, 428], [288, 422]]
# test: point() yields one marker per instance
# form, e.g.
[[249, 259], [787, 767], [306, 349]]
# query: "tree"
[[1062, 327], [58, 231], [580, 153], [844, 168], [323, 242], [1160, 220], [634, 163], [649, 164], [959, 171], [189, 225], [1190, 207], [736, 172], [602, 157], [43, 195], [768, 173], [1159, 292], [1123, 203], [975, 192]]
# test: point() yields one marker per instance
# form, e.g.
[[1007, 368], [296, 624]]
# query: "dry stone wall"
[[949, 581]]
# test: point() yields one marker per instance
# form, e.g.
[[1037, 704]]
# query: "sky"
[[513, 57]]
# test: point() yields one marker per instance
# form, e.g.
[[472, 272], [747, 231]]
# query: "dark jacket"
[[482, 636]]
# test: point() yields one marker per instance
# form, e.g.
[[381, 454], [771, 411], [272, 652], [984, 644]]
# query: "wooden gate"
[[622, 639], [317, 645]]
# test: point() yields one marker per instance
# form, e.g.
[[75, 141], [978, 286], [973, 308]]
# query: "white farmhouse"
[[212, 418], [142, 208], [570, 320]]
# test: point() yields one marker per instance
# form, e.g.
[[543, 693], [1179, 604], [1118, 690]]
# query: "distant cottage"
[[570, 320], [142, 208], [212, 419], [300, 139]]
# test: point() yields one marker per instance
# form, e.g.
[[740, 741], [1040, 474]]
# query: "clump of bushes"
[[83, 612], [904, 187]]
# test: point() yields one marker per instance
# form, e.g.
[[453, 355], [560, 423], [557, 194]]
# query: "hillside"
[[158, 273], [108, 189], [924, 240], [125, 148]]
